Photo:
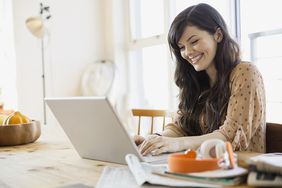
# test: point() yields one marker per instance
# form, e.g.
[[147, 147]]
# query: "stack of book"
[[219, 177], [266, 170], [160, 175]]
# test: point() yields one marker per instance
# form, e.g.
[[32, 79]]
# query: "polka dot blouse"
[[244, 125]]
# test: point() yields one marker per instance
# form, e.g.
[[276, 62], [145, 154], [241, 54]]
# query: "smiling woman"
[[220, 96]]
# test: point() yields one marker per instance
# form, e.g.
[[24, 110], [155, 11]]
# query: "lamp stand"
[[36, 26], [43, 80]]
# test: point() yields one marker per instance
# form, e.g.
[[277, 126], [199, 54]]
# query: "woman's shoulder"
[[245, 68]]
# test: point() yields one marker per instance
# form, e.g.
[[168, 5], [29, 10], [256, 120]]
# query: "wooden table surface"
[[49, 162]]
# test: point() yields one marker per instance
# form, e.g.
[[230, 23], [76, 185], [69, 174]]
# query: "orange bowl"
[[11, 135]]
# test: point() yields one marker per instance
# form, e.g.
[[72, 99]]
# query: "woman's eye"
[[194, 42], [181, 48]]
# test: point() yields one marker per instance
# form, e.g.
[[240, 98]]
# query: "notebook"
[[94, 129]]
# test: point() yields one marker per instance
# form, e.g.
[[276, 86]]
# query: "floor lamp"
[[36, 26]]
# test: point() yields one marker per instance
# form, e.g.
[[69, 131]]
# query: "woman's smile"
[[196, 58]]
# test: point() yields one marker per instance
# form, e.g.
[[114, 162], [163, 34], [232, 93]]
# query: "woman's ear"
[[218, 35]]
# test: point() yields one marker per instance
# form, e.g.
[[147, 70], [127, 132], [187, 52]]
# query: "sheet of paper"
[[116, 177], [119, 177]]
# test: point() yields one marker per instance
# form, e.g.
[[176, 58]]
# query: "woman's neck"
[[212, 73]]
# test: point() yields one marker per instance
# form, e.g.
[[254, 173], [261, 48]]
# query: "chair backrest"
[[164, 114], [273, 137]]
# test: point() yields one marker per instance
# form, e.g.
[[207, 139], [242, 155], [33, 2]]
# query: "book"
[[266, 170], [256, 178], [221, 177], [212, 181], [268, 162]]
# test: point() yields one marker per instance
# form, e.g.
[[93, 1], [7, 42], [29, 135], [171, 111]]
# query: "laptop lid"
[[93, 128]]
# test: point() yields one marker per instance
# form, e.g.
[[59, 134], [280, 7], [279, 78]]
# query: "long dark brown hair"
[[196, 96]]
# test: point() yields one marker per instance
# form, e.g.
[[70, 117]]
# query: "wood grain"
[[51, 161]]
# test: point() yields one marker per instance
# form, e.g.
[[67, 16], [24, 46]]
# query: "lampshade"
[[35, 26]]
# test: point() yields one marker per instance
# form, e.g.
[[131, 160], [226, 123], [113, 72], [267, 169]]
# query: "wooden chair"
[[152, 114], [273, 137]]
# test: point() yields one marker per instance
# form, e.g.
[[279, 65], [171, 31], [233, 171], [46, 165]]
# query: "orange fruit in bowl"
[[18, 129], [15, 118]]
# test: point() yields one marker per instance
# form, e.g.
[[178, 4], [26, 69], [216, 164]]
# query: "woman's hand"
[[156, 145], [138, 139]]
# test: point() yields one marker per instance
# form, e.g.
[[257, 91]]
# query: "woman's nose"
[[188, 52]]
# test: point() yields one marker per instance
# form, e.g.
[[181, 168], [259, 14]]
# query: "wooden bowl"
[[11, 135]]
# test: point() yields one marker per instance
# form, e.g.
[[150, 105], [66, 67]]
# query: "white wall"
[[8, 90], [116, 27], [76, 39]]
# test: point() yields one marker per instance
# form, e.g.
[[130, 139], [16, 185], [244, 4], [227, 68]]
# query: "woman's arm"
[[160, 144], [244, 125]]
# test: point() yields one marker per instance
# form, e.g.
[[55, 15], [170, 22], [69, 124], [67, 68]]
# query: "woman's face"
[[198, 47]]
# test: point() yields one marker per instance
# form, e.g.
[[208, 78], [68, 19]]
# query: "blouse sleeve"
[[246, 108], [173, 129]]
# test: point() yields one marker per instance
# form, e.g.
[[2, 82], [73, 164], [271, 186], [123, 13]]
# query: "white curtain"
[[7, 56]]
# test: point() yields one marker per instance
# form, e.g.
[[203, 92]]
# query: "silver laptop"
[[95, 130]]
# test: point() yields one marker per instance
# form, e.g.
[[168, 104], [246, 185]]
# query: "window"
[[151, 70], [261, 41], [266, 15], [145, 20], [153, 91], [148, 55]]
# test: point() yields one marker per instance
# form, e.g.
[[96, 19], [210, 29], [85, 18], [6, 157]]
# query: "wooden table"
[[49, 162]]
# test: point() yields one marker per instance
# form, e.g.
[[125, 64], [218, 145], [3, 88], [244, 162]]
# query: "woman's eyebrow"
[[190, 37]]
